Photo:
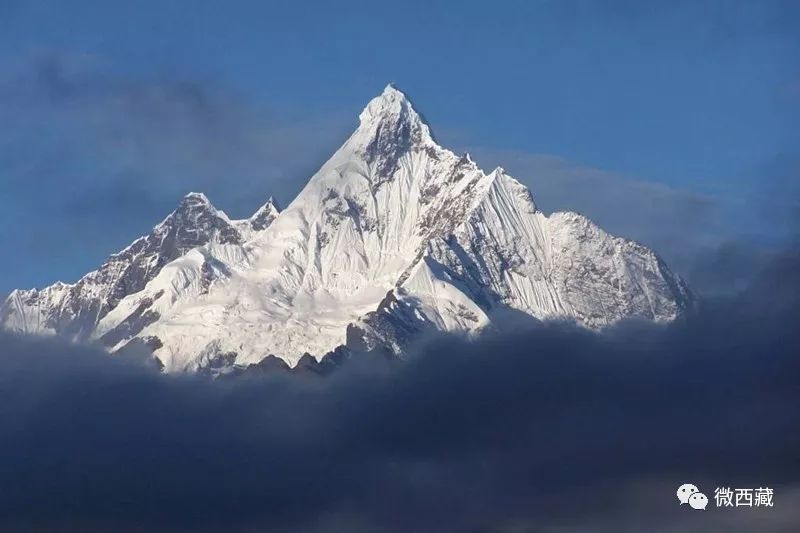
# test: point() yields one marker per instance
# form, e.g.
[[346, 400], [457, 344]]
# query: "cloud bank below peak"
[[586, 432]]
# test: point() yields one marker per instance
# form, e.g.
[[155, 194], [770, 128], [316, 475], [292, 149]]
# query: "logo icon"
[[688, 493], [698, 501]]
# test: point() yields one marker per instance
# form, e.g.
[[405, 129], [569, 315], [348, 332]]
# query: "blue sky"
[[671, 122]]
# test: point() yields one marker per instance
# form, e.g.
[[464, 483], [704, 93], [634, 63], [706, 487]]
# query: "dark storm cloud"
[[536, 428]]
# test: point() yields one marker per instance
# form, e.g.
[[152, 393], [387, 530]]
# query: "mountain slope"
[[392, 235], [508, 255]]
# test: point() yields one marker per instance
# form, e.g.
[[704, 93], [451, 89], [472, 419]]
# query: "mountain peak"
[[196, 197], [195, 219], [194, 202], [265, 214], [391, 91], [390, 127], [391, 105]]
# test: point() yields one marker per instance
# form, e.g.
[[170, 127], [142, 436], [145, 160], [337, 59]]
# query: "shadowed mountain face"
[[393, 236]]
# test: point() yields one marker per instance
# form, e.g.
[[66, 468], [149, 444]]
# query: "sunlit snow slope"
[[393, 235]]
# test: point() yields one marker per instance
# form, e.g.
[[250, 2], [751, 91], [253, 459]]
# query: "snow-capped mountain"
[[392, 236]]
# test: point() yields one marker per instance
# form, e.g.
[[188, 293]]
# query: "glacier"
[[393, 236]]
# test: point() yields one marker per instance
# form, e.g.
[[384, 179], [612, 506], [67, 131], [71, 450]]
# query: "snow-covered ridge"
[[75, 310], [394, 234]]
